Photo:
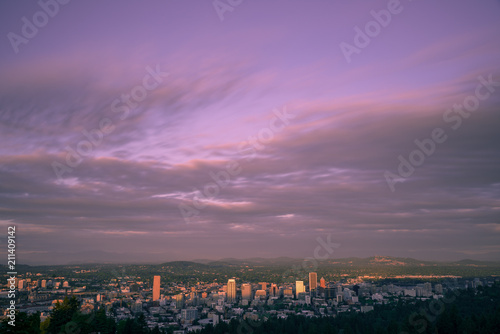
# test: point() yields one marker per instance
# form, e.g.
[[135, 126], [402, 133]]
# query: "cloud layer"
[[320, 171]]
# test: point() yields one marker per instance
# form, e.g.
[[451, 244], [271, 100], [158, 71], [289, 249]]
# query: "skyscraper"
[[274, 290], [231, 290], [246, 291], [299, 288], [156, 288], [179, 301], [322, 283], [313, 281]]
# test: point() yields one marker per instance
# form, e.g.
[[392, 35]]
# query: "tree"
[[24, 324], [62, 314]]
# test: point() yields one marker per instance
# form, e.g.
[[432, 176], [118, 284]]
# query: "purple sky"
[[320, 172]]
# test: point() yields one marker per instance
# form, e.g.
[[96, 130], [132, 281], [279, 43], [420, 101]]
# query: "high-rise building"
[[274, 292], [189, 314], [313, 281], [44, 284], [330, 293], [246, 291], [156, 288], [299, 288], [231, 290], [260, 294], [179, 301], [263, 285], [322, 283], [288, 293]]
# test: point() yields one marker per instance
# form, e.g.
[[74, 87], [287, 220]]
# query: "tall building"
[[330, 293], [322, 283], [246, 291], [313, 281], [262, 294], [179, 301], [156, 288], [299, 288], [274, 290], [189, 314], [231, 290], [263, 285], [288, 293]]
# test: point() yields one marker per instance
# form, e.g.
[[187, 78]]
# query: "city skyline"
[[148, 133]]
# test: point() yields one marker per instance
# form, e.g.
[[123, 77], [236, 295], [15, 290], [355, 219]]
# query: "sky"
[[168, 130]]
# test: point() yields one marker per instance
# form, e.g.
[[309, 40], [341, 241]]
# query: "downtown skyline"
[[170, 131]]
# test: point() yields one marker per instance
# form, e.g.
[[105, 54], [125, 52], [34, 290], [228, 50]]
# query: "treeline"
[[67, 319], [459, 312]]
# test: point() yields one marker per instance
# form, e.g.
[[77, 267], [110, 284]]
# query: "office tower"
[[246, 291], [189, 314], [179, 301], [428, 288], [322, 283], [299, 288], [137, 306], [313, 281], [262, 294], [231, 290], [274, 290], [330, 293], [44, 284], [263, 285], [156, 288]]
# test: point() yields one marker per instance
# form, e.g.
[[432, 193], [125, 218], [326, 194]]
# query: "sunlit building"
[[231, 290], [299, 288], [156, 288], [313, 281], [246, 291]]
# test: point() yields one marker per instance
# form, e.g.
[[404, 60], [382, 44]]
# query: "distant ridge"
[[375, 261]]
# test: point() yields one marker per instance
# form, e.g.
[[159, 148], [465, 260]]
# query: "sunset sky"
[[174, 92]]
